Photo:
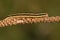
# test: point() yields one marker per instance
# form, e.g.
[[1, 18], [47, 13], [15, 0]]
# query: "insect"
[[30, 15], [24, 18]]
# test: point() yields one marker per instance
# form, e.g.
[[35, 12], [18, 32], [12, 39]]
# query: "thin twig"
[[13, 20]]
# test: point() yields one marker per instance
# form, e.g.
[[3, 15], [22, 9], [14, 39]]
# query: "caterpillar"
[[24, 18]]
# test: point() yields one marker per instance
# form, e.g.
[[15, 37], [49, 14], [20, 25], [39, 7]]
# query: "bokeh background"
[[34, 31]]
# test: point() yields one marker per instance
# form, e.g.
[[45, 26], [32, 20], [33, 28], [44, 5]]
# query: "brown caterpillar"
[[28, 18]]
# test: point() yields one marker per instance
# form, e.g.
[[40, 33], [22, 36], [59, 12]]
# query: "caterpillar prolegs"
[[28, 18]]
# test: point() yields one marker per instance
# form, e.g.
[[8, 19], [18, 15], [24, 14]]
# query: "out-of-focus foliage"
[[38, 31]]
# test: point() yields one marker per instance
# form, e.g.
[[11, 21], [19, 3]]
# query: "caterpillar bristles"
[[24, 19]]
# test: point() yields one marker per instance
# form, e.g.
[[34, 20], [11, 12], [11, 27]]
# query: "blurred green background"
[[35, 31]]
